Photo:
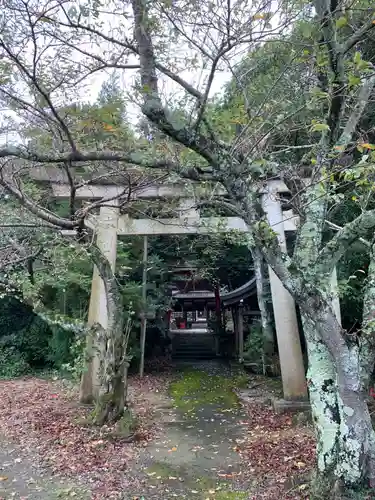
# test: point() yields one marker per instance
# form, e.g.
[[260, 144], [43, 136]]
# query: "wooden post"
[[144, 300], [240, 331], [235, 325]]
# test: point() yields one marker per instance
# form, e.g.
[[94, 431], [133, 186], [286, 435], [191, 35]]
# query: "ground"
[[204, 432]]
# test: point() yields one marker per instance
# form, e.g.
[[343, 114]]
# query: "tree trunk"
[[321, 381], [112, 344], [356, 434], [367, 346], [341, 417], [266, 321], [367, 337]]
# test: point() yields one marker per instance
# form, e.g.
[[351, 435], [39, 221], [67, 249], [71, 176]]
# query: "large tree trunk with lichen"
[[367, 345], [367, 337], [112, 345], [339, 407], [321, 382], [266, 321], [338, 403]]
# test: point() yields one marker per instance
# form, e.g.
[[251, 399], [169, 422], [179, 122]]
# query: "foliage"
[[253, 349], [29, 343], [77, 358], [12, 362]]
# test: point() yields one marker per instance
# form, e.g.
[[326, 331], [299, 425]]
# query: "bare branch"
[[37, 210], [354, 118], [357, 36], [152, 106], [78, 157], [128, 45], [338, 245]]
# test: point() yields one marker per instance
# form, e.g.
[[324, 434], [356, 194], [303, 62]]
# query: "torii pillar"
[[106, 240], [288, 339]]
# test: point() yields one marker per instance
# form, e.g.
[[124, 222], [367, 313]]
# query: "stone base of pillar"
[[291, 406]]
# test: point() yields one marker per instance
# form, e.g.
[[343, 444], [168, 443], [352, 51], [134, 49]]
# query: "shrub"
[[253, 349], [28, 341], [61, 348], [76, 363], [12, 363]]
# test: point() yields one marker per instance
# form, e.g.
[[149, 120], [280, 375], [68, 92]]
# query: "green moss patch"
[[197, 388], [162, 470], [201, 488], [231, 495]]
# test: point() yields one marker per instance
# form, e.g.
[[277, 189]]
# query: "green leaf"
[[362, 65], [306, 29], [319, 127], [354, 80], [357, 57], [317, 93], [341, 22]]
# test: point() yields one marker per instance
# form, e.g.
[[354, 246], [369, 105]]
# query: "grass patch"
[[196, 388]]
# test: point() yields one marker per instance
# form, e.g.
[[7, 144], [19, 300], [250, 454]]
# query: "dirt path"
[[195, 453], [23, 478], [194, 437]]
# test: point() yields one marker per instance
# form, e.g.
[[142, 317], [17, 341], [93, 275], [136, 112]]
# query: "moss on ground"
[[162, 470], [203, 487], [231, 495], [196, 388]]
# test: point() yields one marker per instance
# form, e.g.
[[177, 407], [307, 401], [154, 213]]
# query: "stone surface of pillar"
[[106, 240], [288, 339]]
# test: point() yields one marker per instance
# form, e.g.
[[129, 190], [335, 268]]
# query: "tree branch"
[[39, 88], [339, 244], [37, 210], [135, 158], [357, 36], [354, 118], [152, 105], [133, 48], [222, 204], [335, 227]]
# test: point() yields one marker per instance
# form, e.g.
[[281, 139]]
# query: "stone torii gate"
[[110, 224]]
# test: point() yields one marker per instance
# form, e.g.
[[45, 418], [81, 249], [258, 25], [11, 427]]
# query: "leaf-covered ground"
[[43, 418], [195, 439]]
